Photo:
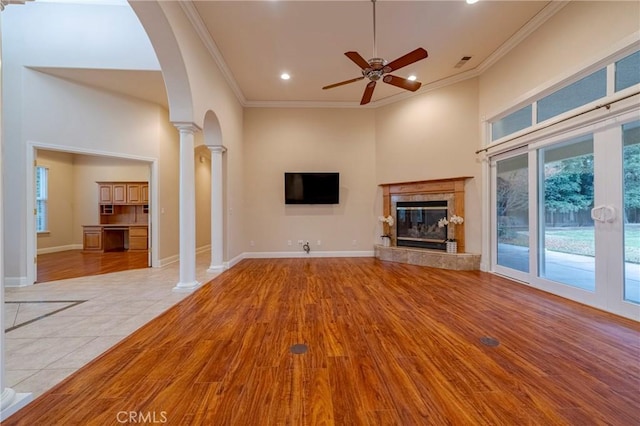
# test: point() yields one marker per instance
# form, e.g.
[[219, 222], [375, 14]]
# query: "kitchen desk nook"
[[123, 218]]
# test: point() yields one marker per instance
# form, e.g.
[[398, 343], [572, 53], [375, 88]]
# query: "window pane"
[[513, 122], [631, 173], [573, 96], [512, 210], [628, 71], [41, 198], [567, 236]]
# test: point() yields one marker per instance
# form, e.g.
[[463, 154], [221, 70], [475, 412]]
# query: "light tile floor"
[[53, 336]]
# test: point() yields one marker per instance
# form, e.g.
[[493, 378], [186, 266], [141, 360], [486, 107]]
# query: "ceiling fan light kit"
[[378, 68]]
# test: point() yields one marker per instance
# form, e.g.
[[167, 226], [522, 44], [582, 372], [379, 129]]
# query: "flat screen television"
[[311, 188]]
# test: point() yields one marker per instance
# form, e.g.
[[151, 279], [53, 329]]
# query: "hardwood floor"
[[388, 343], [74, 263]]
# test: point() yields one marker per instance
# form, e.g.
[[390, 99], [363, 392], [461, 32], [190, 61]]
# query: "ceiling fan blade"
[[407, 59], [331, 86], [359, 60], [368, 92], [401, 82]]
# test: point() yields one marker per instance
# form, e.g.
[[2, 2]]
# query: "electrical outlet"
[[354, 242], [289, 242], [300, 242], [252, 243], [319, 242]]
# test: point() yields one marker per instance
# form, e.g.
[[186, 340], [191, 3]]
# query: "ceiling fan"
[[375, 68]]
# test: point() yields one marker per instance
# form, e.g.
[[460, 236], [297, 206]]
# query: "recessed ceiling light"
[[412, 78], [472, 1], [285, 76]]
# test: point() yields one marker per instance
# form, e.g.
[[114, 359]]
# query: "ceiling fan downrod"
[[375, 50]]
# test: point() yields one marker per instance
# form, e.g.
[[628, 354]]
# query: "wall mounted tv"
[[311, 188]]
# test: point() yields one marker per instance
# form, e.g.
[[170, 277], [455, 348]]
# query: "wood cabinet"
[[92, 238], [105, 193], [138, 238], [123, 218], [123, 193], [144, 193], [120, 193]]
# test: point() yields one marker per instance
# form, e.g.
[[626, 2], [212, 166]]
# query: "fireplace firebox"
[[417, 224]]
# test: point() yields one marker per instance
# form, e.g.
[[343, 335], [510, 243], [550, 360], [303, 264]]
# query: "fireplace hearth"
[[417, 224]]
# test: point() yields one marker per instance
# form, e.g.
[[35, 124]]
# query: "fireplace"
[[417, 224]]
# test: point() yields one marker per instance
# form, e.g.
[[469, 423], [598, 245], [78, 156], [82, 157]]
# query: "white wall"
[[78, 36], [308, 140]]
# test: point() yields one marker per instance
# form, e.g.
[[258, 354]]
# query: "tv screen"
[[311, 188]]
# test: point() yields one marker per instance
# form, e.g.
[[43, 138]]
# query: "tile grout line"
[[73, 303]]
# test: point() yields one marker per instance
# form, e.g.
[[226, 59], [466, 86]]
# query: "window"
[[513, 122], [580, 93], [627, 73], [42, 195], [569, 97]]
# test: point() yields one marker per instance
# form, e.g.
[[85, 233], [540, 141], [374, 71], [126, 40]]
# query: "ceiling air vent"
[[462, 61]]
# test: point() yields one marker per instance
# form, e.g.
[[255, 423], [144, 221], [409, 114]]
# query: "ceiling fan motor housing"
[[376, 69]]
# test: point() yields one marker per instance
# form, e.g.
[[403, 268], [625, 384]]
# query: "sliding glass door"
[[631, 218], [566, 235], [566, 215], [511, 219]]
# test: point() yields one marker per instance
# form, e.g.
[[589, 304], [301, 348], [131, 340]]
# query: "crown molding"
[[201, 29], [536, 22], [527, 29], [375, 104]]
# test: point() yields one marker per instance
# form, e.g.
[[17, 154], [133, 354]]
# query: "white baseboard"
[[16, 282], [59, 248], [203, 249], [297, 254], [168, 260], [233, 262]]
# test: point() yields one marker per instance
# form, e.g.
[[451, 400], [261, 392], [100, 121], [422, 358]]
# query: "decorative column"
[[187, 208], [217, 209], [10, 400]]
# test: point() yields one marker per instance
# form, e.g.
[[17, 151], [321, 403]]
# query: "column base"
[[11, 402], [186, 287], [216, 268]]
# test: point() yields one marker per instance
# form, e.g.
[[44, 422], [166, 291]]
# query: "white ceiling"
[[255, 41]]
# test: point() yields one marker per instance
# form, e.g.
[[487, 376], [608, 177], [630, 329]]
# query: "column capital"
[[185, 126], [217, 149], [4, 3]]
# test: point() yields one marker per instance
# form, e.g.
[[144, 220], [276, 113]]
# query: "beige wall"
[[91, 169], [583, 31], [290, 140], [61, 200], [433, 136], [203, 196], [73, 192]]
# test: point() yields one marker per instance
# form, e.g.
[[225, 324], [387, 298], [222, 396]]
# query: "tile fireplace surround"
[[451, 190]]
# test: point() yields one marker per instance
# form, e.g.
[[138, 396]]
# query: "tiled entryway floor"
[[55, 328]]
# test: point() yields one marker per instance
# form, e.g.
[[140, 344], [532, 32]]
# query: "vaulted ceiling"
[[254, 42]]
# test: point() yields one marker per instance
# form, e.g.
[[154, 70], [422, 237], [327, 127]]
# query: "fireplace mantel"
[[451, 189]]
